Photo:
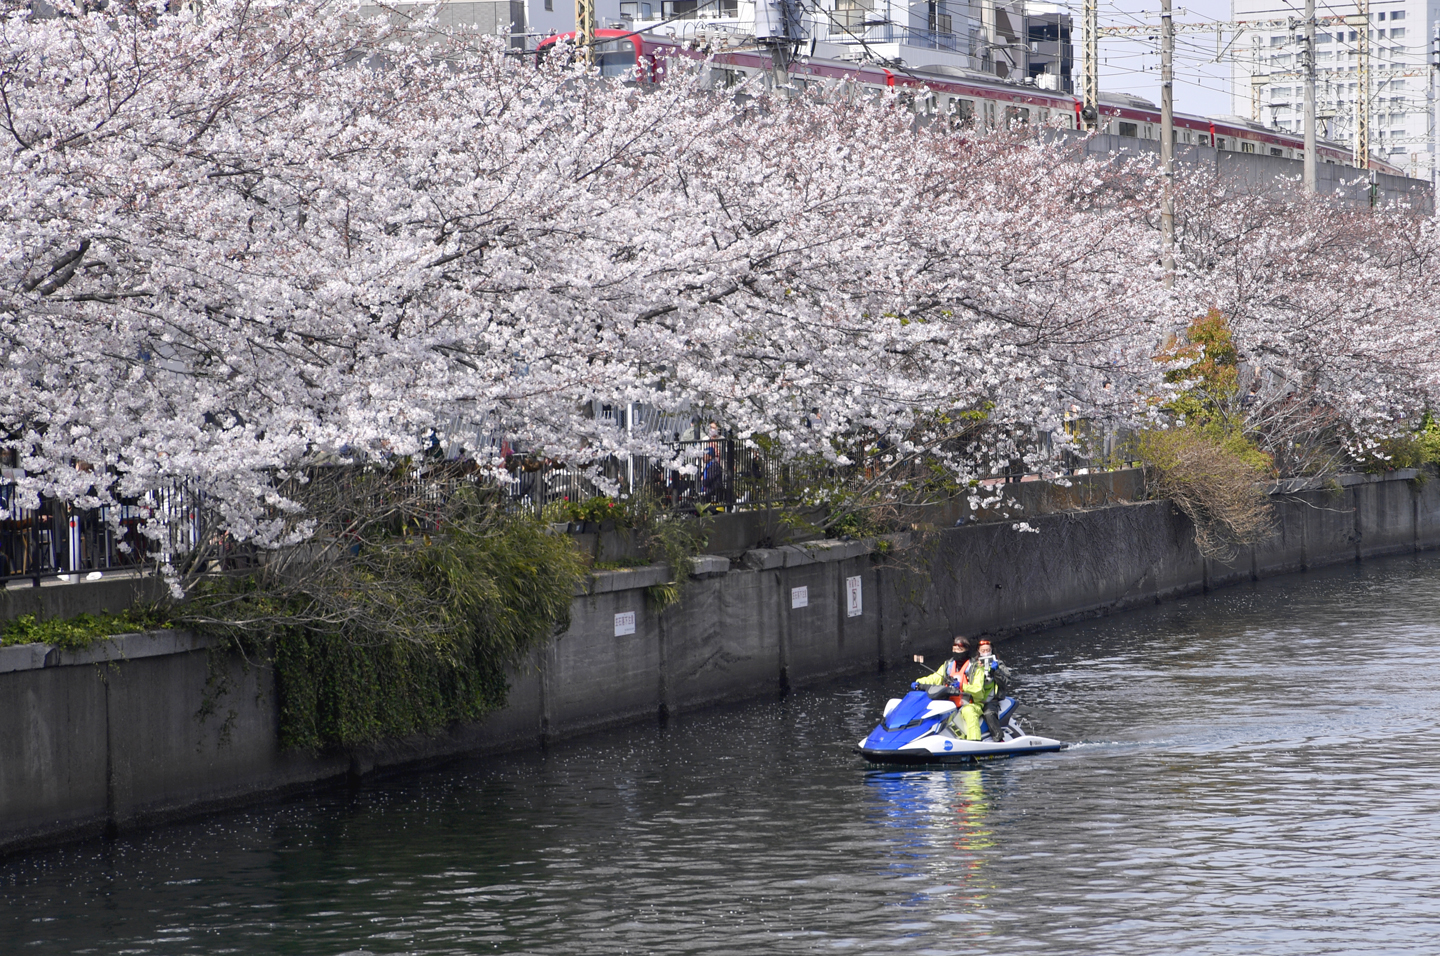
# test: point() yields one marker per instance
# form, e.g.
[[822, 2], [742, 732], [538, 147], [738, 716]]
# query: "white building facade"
[[1268, 77]]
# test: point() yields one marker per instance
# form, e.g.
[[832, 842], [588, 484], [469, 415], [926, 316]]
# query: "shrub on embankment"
[[1214, 482], [82, 630], [400, 631]]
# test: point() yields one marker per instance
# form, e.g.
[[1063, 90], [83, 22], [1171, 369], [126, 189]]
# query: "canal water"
[[1255, 771]]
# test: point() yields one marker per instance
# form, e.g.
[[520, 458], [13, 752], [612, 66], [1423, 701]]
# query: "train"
[[961, 97]]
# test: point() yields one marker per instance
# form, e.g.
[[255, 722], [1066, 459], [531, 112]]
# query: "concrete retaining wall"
[[152, 726]]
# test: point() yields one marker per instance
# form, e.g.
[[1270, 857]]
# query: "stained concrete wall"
[[151, 726]]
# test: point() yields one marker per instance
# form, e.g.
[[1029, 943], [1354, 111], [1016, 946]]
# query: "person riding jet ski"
[[947, 679], [983, 689]]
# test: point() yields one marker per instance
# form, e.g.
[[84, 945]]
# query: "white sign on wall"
[[800, 597], [852, 597], [625, 623]]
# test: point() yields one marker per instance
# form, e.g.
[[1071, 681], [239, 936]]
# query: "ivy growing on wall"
[[402, 622]]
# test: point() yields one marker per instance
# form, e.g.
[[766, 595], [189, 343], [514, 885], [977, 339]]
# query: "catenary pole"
[[1361, 21], [1167, 142], [1090, 86], [585, 29], [1434, 123], [1309, 54]]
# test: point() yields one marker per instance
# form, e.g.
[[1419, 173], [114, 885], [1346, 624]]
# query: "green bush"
[[401, 635], [1415, 450], [498, 587], [82, 630], [1213, 480], [600, 509]]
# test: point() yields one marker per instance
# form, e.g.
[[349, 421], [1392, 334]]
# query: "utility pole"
[[1090, 109], [777, 25], [1167, 143], [1309, 54], [585, 29]]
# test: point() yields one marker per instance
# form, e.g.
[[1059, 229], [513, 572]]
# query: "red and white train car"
[[963, 96]]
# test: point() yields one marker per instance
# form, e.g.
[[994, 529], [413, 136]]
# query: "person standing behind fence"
[[712, 478]]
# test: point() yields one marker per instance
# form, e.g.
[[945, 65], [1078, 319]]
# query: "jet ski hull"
[[915, 730], [945, 749]]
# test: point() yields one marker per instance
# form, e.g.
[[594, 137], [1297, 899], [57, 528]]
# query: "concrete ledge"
[[1290, 486], [129, 647], [604, 582], [709, 566], [22, 657], [795, 556], [121, 647], [764, 559]]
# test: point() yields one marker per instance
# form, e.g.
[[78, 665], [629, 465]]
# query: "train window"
[[1276, 152], [1247, 147], [1129, 129], [615, 57], [1204, 140], [989, 113], [1219, 142], [723, 78], [1016, 116], [962, 112]]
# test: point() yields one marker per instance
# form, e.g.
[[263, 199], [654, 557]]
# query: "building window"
[[1397, 33], [628, 11], [1397, 14], [851, 13], [550, 5], [1380, 15]]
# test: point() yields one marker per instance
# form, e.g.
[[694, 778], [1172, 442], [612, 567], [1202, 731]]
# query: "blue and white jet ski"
[[916, 729]]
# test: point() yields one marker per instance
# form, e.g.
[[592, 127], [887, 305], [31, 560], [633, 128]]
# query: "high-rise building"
[[1269, 81]]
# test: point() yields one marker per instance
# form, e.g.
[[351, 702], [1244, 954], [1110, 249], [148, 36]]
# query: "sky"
[[1202, 86]]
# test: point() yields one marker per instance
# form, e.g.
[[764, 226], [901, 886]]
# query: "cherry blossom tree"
[[242, 242], [1332, 307]]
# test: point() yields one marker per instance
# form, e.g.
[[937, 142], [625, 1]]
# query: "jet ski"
[[916, 729]]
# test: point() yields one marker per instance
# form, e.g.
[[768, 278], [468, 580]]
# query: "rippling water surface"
[[1255, 771]]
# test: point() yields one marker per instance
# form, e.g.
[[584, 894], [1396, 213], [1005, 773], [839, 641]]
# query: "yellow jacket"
[[977, 682], [947, 672]]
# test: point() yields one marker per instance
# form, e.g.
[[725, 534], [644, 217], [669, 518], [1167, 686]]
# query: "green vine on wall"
[[402, 632]]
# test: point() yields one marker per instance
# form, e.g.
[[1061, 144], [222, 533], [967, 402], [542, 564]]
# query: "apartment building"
[[1268, 77]]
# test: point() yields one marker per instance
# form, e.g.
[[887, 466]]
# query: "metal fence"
[[720, 474], [728, 474], [58, 540]]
